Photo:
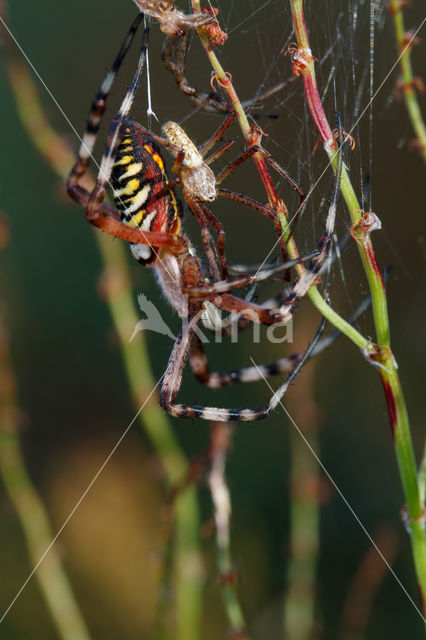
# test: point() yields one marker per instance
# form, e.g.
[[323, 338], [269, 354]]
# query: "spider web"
[[343, 41], [355, 50], [354, 44], [356, 74]]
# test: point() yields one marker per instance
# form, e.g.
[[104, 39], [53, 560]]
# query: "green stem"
[[305, 479], [382, 356], [422, 478], [34, 521], [408, 79]]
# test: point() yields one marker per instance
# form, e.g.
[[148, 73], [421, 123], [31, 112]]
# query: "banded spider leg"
[[173, 378]]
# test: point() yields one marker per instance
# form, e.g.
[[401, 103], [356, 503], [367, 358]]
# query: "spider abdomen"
[[138, 176]]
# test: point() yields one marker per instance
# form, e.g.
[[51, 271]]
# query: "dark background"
[[72, 388]]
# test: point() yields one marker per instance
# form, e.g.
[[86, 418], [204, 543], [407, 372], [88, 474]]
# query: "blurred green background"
[[73, 394]]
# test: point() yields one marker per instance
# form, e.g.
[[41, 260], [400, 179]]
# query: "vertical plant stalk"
[[305, 496], [381, 355], [422, 477], [50, 575], [117, 289], [219, 443], [408, 83]]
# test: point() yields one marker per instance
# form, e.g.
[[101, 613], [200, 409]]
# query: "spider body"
[[148, 216], [138, 176]]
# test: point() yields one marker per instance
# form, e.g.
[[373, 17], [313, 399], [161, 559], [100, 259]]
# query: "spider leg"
[[113, 141], [248, 279], [215, 380], [234, 323], [96, 113], [296, 291], [217, 135], [249, 202], [179, 47], [173, 378], [246, 201], [206, 217], [106, 218], [248, 153], [228, 144], [248, 310], [98, 212], [292, 295]]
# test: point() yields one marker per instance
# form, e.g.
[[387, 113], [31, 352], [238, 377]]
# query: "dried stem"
[[408, 83], [119, 296], [381, 356], [219, 442]]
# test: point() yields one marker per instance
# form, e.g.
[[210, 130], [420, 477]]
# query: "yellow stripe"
[[136, 220], [138, 200], [124, 160], [132, 170], [130, 188]]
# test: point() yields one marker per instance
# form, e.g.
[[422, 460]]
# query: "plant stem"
[[382, 357], [408, 82], [188, 579], [305, 498], [220, 440], [422, 477], [34, 521]]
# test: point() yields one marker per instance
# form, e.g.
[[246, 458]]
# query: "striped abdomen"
[[138, 176]]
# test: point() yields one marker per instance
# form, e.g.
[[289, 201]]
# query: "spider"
[[148, 216]]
